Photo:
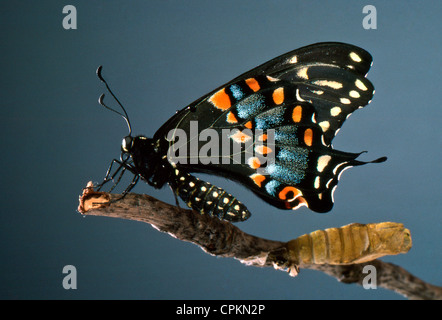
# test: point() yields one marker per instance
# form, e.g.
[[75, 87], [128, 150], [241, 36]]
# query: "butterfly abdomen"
[[208, 199]]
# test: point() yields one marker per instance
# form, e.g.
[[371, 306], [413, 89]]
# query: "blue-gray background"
[[159, 56]]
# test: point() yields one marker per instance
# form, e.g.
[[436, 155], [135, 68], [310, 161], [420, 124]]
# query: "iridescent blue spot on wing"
[[291, 171], [286, 135], [284, 174], [270, 119], [237, 92], [250, 106], [272, 186], [297, 156]]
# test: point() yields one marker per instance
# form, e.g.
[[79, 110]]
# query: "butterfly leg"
[[108, 177], [118, 180], [175, 195], [122, 167], [133, 183]]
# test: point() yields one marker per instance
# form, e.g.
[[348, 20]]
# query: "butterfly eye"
[[126, 144]]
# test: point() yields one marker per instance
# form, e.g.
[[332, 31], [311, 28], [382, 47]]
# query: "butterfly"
[[270, 129]]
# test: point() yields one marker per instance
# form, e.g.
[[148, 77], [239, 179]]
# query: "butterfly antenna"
[[101, 98]]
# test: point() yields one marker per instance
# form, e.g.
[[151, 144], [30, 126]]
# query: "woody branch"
[[221, 238]]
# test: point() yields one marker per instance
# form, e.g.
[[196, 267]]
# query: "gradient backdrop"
[[160, 56]]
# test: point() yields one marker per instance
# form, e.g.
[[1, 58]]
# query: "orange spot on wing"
[[231, 118], [254, 163], [258, 179], [278, 95], [240, 137], [283, 193], [253, 84], [262, 137], [221, 100], [297, 114], [263, 150], [308, 137], [248, 125]]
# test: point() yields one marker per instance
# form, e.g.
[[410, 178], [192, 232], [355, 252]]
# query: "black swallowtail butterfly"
[[270, 129]]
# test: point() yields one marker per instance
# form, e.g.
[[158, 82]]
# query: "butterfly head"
[[133, 146], [140, 150], [127, 144]]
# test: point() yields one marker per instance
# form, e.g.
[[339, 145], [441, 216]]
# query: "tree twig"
[[223, 239]]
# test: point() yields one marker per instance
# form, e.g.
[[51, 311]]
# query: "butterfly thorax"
[[149, 161]]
